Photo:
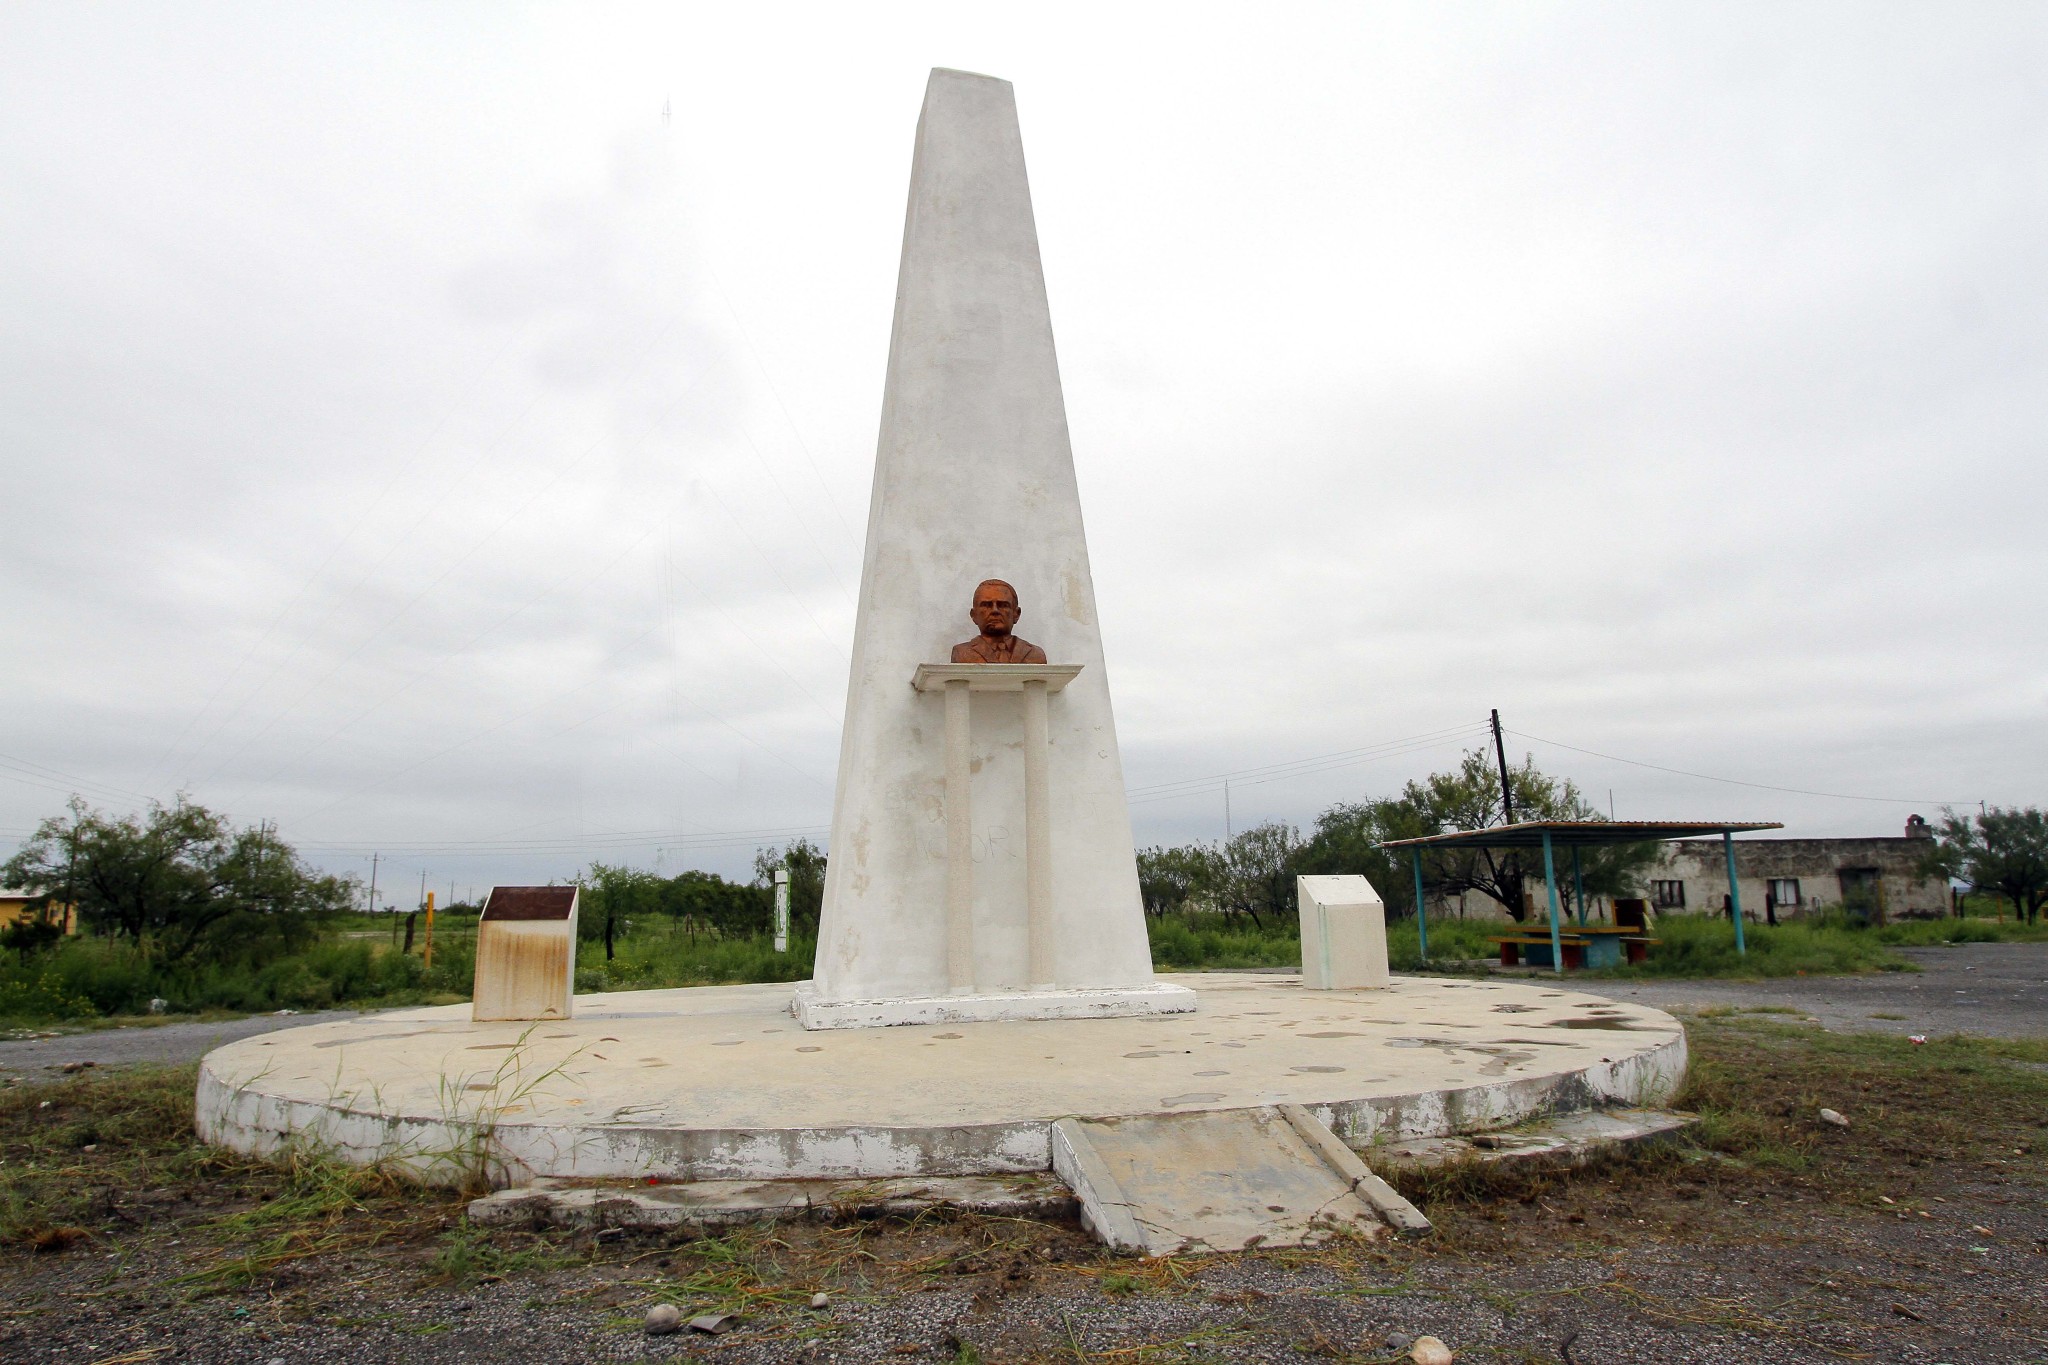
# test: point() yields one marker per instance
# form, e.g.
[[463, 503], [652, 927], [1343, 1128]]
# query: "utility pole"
[[1500, 753], [1227, 832], [373, 882], [1510, 873]]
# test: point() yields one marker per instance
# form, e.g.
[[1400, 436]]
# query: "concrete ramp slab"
[[1222, 1180]]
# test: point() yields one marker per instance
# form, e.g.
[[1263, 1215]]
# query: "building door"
[[1863, 894]]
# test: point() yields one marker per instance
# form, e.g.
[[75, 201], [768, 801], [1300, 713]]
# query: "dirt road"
[[1992, 990]]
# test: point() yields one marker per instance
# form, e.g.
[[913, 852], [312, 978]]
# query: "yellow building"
[[16, 906]]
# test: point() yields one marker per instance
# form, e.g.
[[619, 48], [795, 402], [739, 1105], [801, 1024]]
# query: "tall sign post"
[[782, 909]]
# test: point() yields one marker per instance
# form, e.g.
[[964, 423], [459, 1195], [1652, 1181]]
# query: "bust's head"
[[995, 610]]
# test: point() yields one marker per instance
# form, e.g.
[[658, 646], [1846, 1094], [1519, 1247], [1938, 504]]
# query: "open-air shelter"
[[1550, 835]]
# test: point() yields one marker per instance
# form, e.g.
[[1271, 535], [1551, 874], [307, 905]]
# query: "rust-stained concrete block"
[[526, 954]]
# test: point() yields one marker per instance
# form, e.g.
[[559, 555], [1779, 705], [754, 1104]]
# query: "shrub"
[[42, 999]]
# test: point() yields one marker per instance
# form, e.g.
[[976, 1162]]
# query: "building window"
[[1669, 895], [1785, 890]]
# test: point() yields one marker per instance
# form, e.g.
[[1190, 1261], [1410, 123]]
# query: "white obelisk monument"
[[981, 861]]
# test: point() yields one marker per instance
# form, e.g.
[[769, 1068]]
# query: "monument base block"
[[990, 1006]]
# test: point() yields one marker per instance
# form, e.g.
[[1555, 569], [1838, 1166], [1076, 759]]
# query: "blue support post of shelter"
[[1734, 892], [1550, 883], [1421, 915], [1578, 888]]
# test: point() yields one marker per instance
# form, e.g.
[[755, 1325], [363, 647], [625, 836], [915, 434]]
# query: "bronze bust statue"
[[995, 611]]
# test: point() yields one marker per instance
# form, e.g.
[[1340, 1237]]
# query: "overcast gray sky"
[[446, 429]]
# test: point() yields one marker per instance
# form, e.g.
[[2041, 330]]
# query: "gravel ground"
[[1729, 1283], [1990, 990], [168, 1044]]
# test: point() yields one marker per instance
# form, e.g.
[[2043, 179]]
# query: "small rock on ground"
[[1430, 1351]]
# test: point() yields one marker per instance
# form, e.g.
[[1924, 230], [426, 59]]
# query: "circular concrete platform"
[[720, 1082]]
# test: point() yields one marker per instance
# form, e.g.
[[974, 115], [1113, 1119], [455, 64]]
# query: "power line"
[[614, 840], [1302, 767], [1736, 781], [41, 775]]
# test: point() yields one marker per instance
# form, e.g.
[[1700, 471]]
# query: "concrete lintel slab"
[[1568, 1138]]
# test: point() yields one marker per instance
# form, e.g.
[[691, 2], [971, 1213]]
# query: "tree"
[[1346, 842], [806, 863], [2004, 851], [1258, 873], [709, 899], [1167, 877], [178, 880], [616, 894], [1253, 873], [1469, 798], [32, 933]]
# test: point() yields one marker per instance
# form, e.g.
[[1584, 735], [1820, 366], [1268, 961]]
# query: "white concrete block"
[[1343, 934]]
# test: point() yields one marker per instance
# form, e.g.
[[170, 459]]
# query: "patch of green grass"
[[1928, 933], [468, 1253], [1758, 1086], [1704, 945], [80, 978], [243, 1217], [1214, 942], [660, 956], [138, 1123], [736, 1273], [1450, 940]]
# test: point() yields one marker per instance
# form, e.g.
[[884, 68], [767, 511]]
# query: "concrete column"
[[1037, 835], [959, 840]]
